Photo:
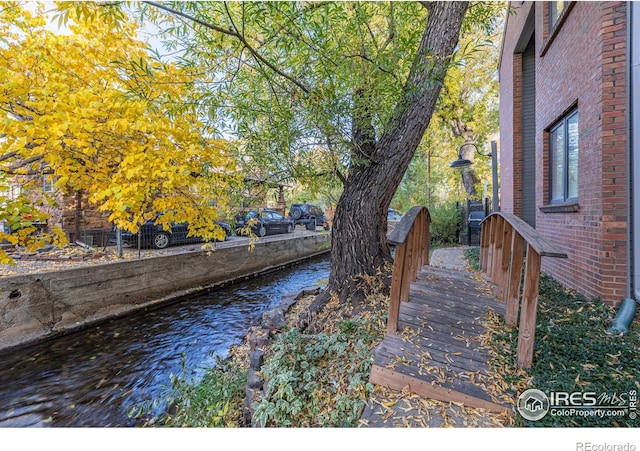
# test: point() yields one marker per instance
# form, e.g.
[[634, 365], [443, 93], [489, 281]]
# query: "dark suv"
[[309, 215]]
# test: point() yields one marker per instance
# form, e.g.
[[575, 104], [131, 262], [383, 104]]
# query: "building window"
[[47, 183], [563, 158], [555, 14], [556, 9]]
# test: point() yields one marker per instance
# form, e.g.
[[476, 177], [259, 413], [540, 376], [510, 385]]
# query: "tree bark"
[[76, 215], [359, 237], [469, 177]]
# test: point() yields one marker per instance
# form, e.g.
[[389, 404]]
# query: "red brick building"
[[566, 134]]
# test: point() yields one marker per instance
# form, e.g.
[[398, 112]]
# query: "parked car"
[[36, 228], [309, 215], [264, 222], [152, 235], [393, 215]]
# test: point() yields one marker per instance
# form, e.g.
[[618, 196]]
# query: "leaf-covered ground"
[[572, 353], [320, 378]]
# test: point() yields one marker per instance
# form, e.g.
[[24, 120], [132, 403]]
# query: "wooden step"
[[398, 381]]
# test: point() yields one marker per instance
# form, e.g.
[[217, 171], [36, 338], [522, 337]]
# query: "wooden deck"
[[436, 351]]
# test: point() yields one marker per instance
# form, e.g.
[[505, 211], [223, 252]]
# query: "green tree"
[[359, 79], [468, 107], [467, 112], [325, 89]]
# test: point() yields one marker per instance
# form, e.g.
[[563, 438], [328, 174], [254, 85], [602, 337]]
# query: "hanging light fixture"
[[463, 162]]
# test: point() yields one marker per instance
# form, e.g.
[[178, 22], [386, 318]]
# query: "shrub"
[[445, 224], [315, 380], [322, 379]]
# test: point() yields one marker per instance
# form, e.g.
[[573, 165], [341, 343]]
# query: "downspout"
[[628, 307], [634, 146]]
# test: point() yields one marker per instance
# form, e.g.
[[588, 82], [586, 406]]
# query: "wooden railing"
[[411, 239], [504, 241]]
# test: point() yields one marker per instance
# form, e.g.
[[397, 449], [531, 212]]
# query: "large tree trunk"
[[359, 244]]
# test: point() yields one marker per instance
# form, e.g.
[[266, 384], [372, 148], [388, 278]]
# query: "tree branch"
[[370, 60], [22, 163], [234, 34], [15, 168], [391, 22], [363, 135], [6, 156], [336, 171]]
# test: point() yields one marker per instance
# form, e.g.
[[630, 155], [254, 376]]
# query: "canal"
[[92, 377]]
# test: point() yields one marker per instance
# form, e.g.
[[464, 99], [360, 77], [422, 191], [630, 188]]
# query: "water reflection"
[[90, 378]]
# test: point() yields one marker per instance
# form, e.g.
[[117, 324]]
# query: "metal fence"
[[472, 213], [91, 237]]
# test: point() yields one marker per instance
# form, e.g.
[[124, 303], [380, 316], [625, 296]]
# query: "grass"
[[473, 257], [572, 353]]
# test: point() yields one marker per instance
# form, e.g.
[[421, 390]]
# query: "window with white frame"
[[563, 159]]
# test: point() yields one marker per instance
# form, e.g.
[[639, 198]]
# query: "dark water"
[[91, 378]]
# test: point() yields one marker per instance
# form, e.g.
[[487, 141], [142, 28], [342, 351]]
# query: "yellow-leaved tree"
[[91, 108]]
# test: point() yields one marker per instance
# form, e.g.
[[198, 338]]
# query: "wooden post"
[[514, 280], [406, 267], [396, 286], [417, 248], [484, 234], [527, 332], [497, 249], [490, 245], [427, 239], [505, 260]]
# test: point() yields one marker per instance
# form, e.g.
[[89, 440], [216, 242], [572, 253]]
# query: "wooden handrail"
[[411, 238], [504, 240]]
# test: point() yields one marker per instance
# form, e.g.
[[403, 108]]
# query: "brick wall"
[[614, 151], [583, 64], [511, 112]]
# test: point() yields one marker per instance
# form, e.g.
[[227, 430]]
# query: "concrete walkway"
[[450, 258], [388, 408]]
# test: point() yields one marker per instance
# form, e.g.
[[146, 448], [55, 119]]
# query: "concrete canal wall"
[[38, 306]]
